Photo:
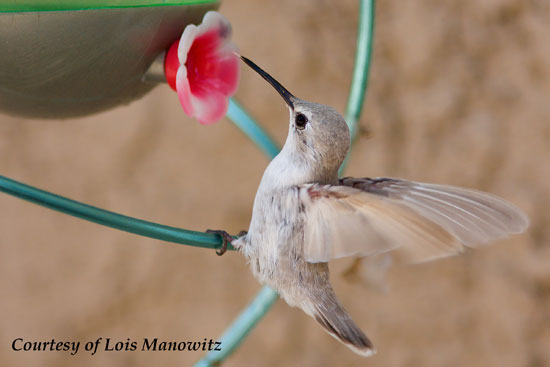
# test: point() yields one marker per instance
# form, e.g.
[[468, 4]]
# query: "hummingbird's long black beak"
[[287, 96]]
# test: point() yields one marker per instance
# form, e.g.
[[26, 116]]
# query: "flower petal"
[[184, 91], [209, 68], [187, 38], [209, 108], [214, 20]]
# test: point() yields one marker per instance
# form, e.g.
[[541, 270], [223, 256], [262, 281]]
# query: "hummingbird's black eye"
[[301, 121]]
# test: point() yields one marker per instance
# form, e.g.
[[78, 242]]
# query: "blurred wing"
[[423, 221]]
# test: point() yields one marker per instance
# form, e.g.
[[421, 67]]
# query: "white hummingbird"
[[304, 216]]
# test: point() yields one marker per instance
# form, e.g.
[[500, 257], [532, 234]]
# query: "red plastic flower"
[[208, 71]]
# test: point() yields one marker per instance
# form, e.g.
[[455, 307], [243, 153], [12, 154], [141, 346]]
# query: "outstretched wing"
[[423, 221]]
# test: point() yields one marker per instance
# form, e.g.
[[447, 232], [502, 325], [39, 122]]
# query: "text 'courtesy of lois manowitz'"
[[111, 345]]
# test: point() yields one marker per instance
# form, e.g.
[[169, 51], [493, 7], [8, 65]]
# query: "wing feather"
[[422, 221]]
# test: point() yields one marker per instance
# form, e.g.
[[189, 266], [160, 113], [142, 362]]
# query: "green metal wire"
[[361, 70], [108, 218], [244, 122], [362, 65], [245, 322]]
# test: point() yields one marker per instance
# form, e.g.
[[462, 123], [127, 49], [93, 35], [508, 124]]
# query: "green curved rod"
[[241, 327], [247, 124], [360, 71], [362, 65], [256, 310], [108, 218]]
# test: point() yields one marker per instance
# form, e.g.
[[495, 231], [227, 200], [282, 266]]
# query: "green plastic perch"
[[254, 312], [107, 218]]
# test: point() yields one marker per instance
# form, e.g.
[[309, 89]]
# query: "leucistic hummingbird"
[[304, 216]]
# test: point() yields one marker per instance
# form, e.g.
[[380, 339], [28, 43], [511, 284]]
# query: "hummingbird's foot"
[[226, 238], [242, 233]]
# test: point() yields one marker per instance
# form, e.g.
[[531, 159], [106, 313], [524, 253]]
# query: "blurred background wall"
[[459, 94]]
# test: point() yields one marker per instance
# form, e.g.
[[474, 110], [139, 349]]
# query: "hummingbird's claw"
[[226, 238]]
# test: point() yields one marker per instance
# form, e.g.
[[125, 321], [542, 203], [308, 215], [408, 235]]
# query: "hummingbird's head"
[[316, 132]]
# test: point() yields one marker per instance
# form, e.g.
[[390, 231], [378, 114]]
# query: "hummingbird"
[[304, 215]]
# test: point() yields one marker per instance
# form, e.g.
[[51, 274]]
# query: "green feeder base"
[[72, 58]]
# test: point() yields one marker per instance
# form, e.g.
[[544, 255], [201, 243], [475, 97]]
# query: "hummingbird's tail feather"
[[330, 314]]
